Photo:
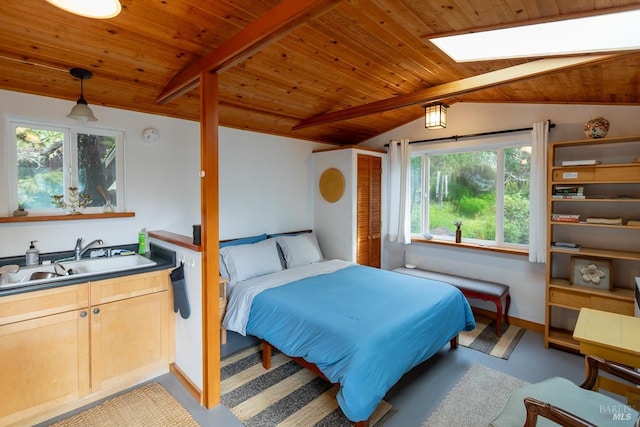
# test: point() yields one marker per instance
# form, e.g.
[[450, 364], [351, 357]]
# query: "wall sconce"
[[435, 115], [81, 110]]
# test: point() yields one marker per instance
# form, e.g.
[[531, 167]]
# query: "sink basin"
[[107, 265], [28, 276]]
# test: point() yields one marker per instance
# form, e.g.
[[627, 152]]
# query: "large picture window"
[[46, 160], [486, 188]]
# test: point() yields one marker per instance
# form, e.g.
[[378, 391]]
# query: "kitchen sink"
[[66, 270]]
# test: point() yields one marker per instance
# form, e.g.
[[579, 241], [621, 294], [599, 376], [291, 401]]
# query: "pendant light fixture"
[[435, 115], [81, 110], [97, 9]]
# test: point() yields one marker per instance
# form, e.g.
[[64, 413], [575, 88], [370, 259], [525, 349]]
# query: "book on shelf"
[[634, 222], [567, 248], [607, 221], [568, 196], [568, 192], [569, 245], [568, 189], [565, 217], [584, 162]]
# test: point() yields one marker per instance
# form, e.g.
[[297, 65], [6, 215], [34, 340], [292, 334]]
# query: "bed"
[[357, 326]]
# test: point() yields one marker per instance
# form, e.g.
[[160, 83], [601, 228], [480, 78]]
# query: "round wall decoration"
[[332, 185]]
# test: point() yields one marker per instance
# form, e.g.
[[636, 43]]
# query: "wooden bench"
[[471, 288]]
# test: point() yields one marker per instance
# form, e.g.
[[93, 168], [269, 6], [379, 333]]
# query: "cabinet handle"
[[83, 314], [96, 310]]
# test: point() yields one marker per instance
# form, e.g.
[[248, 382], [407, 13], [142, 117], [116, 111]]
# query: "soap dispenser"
[[33, 255]]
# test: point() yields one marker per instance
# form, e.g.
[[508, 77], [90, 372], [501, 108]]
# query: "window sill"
[[473, 246], [36, 218]]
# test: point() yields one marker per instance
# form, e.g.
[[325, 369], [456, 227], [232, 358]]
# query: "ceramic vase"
[[596, 127]]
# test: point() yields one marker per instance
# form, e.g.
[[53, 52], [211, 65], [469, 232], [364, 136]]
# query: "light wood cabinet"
[[44, 358], [65, 347], [369, 211], [611, 189], [130, 329]]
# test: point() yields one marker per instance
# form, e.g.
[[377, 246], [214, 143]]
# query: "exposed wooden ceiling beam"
[[265, 30], [459, 87]]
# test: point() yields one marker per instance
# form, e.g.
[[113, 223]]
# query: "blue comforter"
[[362, 327]]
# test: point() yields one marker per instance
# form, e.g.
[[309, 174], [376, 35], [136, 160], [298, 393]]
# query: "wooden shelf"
[[36, 218], [602, 253], [600, 200], [598, 141], [616, 293], [587, 224], [563, 338]]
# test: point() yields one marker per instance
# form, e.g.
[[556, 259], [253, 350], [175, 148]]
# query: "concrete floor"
[[420, 391]]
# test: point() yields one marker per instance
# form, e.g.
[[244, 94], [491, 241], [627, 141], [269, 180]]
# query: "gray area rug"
[[475, 400], [483, 338], [285, 395]]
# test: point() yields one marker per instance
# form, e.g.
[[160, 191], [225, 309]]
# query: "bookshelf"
[[593, 201]]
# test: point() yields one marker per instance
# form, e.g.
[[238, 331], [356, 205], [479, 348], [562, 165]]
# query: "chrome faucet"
[[79, 250]]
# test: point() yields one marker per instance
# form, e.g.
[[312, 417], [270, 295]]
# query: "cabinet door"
[[44, 362], [369, 217], [129, 340]]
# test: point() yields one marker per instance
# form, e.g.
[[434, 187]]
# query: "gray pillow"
[[247, 261], [300, 250]]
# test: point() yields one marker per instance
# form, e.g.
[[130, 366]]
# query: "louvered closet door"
[[369, 219]]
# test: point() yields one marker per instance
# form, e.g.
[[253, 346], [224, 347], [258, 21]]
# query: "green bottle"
[[142, 241]]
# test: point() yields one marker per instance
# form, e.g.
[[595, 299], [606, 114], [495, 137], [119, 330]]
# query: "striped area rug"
[[483, 338], [286, 395]]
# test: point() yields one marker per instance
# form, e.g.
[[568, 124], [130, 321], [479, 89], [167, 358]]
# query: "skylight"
[[603, 33]]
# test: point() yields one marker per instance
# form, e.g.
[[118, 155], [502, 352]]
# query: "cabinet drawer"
[[618, 173], [612, 305], [569, 299], [30, 305], [574, 174], [131, 286]]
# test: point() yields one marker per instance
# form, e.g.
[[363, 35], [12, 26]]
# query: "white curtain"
[[399, 179], [538, 195]]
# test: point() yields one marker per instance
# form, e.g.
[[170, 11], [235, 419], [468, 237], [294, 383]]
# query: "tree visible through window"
[[49, 160], [40, 166], [488, 190]]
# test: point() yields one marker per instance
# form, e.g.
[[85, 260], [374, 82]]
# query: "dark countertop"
[[163, 257]]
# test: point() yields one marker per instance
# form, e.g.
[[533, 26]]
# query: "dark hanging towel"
[[180, 301]]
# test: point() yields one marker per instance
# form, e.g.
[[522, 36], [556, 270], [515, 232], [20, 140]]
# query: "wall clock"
[[151, 135], [331, 185]]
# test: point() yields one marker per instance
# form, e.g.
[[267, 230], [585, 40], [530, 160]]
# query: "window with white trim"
[[46, 160], [484, 186]]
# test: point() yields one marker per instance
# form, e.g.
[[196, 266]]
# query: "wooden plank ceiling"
[[352, 55]]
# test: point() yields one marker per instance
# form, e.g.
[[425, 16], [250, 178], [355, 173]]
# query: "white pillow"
[[247, 261], [300, 250]]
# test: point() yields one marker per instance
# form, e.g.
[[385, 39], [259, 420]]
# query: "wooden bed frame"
[[266, 363], [267, 347]]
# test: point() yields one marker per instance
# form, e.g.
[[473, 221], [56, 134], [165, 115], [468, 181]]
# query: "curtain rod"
[[472, 135]]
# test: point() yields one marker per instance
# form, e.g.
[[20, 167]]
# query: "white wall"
[[162, 180], [265, 181], [527, 280], [266, 184], [336, 222]]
